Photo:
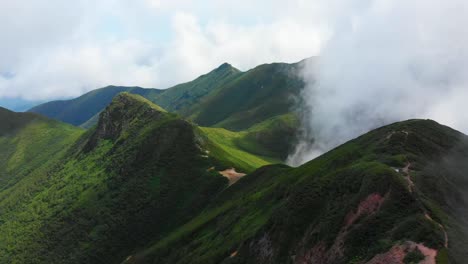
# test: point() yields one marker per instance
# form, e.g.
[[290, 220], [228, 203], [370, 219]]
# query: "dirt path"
[[441, 227], [232, 175], [406, 173]]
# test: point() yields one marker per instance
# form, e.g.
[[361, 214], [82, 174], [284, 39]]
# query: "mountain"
[[394, 195], [85, 109], [224, 97], [28, 142], [147, 186], [181, 98], [79, 110], [259, 94], [96, 196]]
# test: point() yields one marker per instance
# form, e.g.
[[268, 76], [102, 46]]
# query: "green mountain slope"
[[132, 179], [79, 110], [181, 98], [394, 195], [256, 95], [28, 142], [85, 109], [224, 97]]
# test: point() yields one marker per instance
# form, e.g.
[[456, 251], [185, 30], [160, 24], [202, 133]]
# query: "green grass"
[[184, 97], [263, 92], [273, 137], [34, 143], [140, 183], [224, 97], [224, 146], [101, 193]]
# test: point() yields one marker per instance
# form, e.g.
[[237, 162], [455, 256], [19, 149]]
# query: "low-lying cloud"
[[386, 61]]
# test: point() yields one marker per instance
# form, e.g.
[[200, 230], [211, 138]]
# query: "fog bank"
[[386, 61]]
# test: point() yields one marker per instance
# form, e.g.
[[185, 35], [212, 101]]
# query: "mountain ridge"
[[189, 99], [99, 197], [356, 203], [145, 186]]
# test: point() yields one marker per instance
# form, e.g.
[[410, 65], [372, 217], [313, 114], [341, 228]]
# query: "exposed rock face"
[[119, 115]]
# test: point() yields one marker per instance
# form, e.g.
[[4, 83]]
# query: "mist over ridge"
[[386, 61]]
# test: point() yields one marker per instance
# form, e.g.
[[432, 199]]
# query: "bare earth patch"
[[320, 255], [232, 175], [397, 254]]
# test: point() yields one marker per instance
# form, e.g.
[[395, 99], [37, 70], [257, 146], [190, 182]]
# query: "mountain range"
[[195, 174]]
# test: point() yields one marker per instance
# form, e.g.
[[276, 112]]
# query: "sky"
[[386, 61], [59, 49]]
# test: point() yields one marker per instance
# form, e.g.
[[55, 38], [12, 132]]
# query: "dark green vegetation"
[[69, 196], [142, 185], [224, 97], [347, 206], [260, 101], [28, 142], [413, 257], [254, 96]]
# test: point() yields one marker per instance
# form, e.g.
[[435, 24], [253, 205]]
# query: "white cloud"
[[54, 49], [388, 60]]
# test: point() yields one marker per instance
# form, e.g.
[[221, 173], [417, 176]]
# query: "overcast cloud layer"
[[388, 60], [54, 48]]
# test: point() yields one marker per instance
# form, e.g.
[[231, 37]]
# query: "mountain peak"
[[226, 67], [132, 100], [125, 111]]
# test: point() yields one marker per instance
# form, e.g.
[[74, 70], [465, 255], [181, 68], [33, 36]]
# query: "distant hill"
[[183, 97], [224, 97], [254, 96], [79, 110]]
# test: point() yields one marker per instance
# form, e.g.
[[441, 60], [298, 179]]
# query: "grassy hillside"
[[143, 186], [394, 193], [261, 93], [224, 97], [28, 142], [181, 98], [225, 147], [132, 179], [265, 143], [277, 135], [79, 110], [85, 109]]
